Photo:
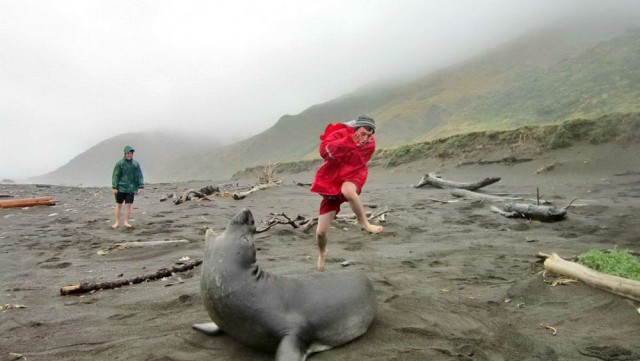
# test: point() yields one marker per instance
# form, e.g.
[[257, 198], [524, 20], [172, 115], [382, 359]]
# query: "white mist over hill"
[[75, 73]]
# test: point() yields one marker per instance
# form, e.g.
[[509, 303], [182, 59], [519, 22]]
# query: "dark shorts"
[[332, 203], [124, 197]]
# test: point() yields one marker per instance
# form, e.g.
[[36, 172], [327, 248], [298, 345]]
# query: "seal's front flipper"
[[209, 328], [291, 348]]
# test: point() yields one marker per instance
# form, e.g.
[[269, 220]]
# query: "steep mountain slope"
[[527, 81]]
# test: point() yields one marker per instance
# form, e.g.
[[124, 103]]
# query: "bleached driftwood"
[[242, 195], [267, 174], [434, 180], [124, 245], [161, 273], [618, 285], [463, 193], [531, 211]]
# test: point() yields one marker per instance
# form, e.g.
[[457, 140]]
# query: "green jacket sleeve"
[[115, 177], [140, 177]]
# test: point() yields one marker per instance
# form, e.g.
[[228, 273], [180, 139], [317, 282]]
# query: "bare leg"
[[118, 208], [324, 222], [349, 190], [127, 212]]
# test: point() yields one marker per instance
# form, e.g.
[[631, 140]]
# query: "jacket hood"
[[128, 149]]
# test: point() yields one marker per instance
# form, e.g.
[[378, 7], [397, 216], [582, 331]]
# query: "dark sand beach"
[[453, 280]]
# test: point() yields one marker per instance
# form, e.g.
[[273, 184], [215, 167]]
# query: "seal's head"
[[236, 241]]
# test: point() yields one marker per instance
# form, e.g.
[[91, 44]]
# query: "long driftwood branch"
[[164, 272], [618, 285], [243, 195], [532, 211], [463, 193], [438, 182]]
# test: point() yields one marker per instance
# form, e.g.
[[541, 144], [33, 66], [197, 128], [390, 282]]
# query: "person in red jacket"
[[346, 150]]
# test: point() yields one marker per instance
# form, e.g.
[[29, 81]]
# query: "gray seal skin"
[[293, 315]]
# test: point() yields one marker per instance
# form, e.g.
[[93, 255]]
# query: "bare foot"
[[115, 226], [372, 228], [321, 258], [127, 225]]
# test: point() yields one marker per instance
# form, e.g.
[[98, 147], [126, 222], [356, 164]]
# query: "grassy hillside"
[[621, 127], [525, 82]]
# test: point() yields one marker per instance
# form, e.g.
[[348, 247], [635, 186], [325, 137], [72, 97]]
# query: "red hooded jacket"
[[343, 160]]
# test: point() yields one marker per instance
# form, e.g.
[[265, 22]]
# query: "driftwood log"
[[164, 272], [28, 202], [614, 284], [463, 193], [187, 196], [259, 187], [532, 211], [438, 182]]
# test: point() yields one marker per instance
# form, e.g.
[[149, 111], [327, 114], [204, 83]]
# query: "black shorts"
[[124, 197]]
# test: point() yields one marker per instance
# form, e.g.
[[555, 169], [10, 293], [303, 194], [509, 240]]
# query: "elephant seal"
[[292, 315]]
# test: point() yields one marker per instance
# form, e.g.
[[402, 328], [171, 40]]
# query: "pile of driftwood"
[[203, 194], [305, 223], [267, 178], [512, 207], [28, 202]]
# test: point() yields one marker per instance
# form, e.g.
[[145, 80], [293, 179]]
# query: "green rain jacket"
[[127, 176]]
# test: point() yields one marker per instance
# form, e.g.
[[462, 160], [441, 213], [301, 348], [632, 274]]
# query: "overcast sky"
[[74, 73]]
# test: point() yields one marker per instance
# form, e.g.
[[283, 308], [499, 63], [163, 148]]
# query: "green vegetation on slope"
[[601, 80], [614, 262], [494, 92], [623, 127]]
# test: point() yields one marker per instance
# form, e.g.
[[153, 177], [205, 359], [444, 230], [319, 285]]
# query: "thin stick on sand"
[[164, 272]]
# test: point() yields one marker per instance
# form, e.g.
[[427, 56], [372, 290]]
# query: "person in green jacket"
[[126, 181]]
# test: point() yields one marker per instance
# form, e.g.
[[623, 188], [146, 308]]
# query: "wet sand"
[[453, 280]]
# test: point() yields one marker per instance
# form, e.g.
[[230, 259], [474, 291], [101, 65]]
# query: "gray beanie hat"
[[365, 120]]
